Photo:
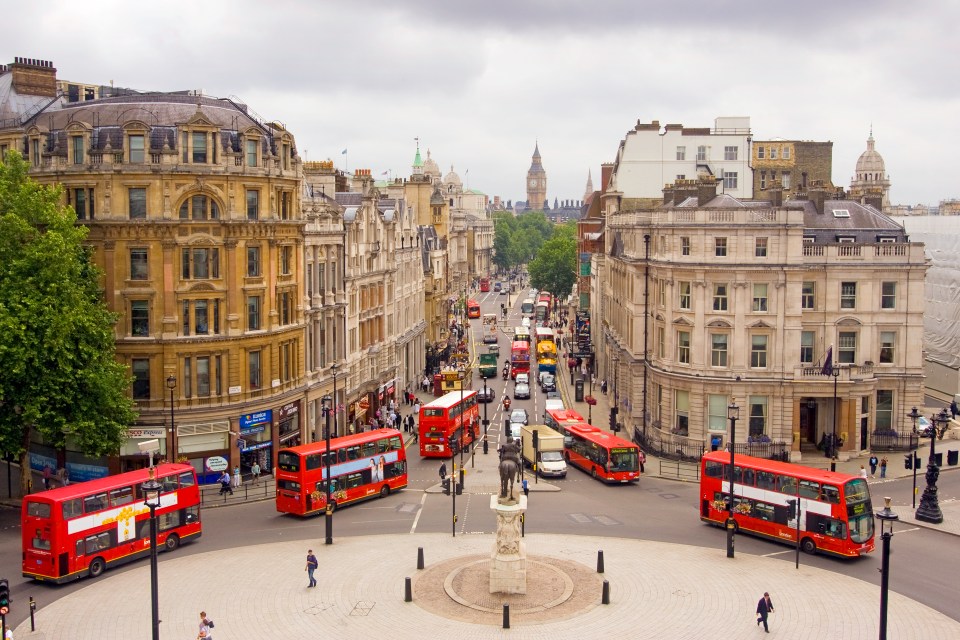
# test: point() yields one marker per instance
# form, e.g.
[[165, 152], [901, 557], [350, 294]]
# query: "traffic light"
[[613, 419], [791, 509], [4, 593], [445, 484], [908, 461]]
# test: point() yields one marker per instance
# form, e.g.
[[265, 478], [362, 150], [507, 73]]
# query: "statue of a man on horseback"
[[509, 467]]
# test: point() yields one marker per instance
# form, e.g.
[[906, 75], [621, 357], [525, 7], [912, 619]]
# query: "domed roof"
[[870, 161], [452, 178], [430, 167]]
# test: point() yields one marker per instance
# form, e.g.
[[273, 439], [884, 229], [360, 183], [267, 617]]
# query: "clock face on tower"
[[533, 182]]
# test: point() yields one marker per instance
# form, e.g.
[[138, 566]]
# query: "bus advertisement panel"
[[603, 455], [526, 307], [484, 284], [449, 423], [473, 309], [82, 529], [362, 466], [519, 358], [489, 328], [835, 513]]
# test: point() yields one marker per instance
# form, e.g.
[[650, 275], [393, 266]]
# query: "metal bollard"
[[419, 557], [408, 590], [33, 609], [506, 616], [605, 598], [600, 561]]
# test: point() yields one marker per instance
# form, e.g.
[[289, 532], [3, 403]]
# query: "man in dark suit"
[[764, 607]]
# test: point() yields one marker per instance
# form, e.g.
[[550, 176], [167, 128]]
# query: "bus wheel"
[[593, 472], [384, 491], [172, 542], [97, 567], [808, 546]]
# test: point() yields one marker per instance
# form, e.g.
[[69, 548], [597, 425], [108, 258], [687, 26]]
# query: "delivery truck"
[[548, 457]]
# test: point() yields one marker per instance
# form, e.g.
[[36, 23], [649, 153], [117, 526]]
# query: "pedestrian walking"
[[873, 466], [642, 459], [237, 480], [47, 476], [526, 487], [883, 467], [255, 471], [863, 472], [312, 565], [764, 608], [205, 630], [443, 471], [954, 410], [225, 483]]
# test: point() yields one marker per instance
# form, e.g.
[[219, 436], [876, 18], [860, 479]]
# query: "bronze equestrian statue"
[[509, 467]]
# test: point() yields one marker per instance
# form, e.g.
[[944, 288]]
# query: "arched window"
[[199, 207]]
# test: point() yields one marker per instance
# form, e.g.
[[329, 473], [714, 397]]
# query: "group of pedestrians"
[[228, 484]]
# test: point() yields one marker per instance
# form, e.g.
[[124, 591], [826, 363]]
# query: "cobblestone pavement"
[[658, 590]]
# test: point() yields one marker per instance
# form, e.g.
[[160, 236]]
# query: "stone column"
[[508, 566]]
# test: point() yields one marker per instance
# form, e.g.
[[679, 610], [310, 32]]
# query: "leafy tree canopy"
[[58, 373], [554, 268]]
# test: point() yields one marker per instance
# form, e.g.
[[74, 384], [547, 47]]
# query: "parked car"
[[486, 394], [521, 390], [519, 415]]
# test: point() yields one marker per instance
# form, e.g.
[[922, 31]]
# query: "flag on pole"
[[344, 152], [828, 363]]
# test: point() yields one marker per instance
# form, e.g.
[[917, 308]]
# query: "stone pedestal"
[[508, 567]]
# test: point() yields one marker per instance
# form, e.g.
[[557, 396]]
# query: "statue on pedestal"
[[509, 468]]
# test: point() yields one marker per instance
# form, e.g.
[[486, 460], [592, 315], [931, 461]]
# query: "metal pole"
[[731, 523], [486, 420], [884, 583], [154, 587], [929, 510], [833, 443], [453, 492]]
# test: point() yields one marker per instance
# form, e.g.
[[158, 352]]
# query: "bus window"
[[354, 480], [98, 542], [38, 509], [72, 508], [288, 461], [766, 480], [312, 461], [342, 455], [168, 484], [786, 484], [856, 491], [831, 494], [395, 443], [353, 452], [368, 449], [186, 479], [168, 520], [288, 485], [121, 496], [748, 478], [94, 503], [713, 469], [39, 542], [810, 489]]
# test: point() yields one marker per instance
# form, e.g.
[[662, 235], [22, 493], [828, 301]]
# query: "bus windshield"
[[624, 459]]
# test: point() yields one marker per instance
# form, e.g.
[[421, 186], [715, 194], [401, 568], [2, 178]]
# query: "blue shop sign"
[[254, 447], [248, 420], [260, 428]]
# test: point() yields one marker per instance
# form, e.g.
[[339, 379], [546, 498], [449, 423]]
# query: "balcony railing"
[[893, 441]]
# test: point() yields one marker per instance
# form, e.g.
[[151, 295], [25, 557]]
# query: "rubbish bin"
[[578, 390], [952, 458], [939, 459]]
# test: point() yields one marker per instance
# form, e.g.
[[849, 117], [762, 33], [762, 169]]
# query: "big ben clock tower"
[[536, 182]]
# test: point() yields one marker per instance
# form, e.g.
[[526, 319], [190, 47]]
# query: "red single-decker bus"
[[603, 455], [363, 465], [448, 423], [83, 528], [835, 513]]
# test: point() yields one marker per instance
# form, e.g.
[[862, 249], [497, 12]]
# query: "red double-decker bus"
[[84, 528], [603, 455], [448, 423], [835, 513], [473, 309], [484, 284], [519, 358], [362, 465]]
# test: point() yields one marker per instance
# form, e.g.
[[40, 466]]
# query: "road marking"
[[579, 518], [777, 553], [606, 520], [423, 500]]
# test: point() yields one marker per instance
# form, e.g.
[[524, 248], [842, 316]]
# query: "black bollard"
[[408, 590], [506, 616], [600, 561], [419, 557], [33, 608], [485, 445], [605, 598]]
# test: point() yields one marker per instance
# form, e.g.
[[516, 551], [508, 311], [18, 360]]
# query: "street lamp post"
[[486, 421], [929, 509], [172, 384], [833, 443], [331, 407], [151, 498], [914, 415], [887, 518], [733, 413], [463, 437]]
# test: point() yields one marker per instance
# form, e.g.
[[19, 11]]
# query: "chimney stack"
[[874, 198], [818, 195], [667, 193], [706, 190], [776, 194], [34, 77]]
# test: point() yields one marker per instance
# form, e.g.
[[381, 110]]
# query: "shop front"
[[198, 443], [132, 458], [256, 441], [288, 425]]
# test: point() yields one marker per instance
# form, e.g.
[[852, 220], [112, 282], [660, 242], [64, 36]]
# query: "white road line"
[[423, 501], [777, 553]]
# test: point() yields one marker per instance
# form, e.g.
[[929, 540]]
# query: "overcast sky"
[[480, 82]]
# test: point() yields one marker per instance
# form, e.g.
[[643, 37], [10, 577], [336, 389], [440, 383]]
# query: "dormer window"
[[136, 151], [199, 147]]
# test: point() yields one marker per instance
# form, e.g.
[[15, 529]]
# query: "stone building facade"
[[745, 300], [791, 166]]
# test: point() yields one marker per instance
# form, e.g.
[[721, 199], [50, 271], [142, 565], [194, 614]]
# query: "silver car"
[[521, 390]]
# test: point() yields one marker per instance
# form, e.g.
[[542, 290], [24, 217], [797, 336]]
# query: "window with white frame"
[[773, 153], [684, 245], [808, 295], [730, 179], [253, 261], [254, 304], [720, 297], [807, 342], [661, 342], [683, 300], [681, 153], [138, 264], [888, 341], [720, 247], [682, 423], [758, 416], [251, 152], [683, 347], [786, 152], [758, 351], [884, 410], [760, 247], [763, 179], [717, 412], [888, 295], [760, 297], [136, 148], [253, 368], [702, 155], [785, 179], [847, 347], [848, 295], [730, 153], [718, 349], [662, 292], [78, 155], [200, 263]]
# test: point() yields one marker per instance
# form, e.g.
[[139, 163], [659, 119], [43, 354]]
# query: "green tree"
[[58, 372], [554, 268]]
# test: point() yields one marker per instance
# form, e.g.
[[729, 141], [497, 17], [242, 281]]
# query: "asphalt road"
[[924, 565]]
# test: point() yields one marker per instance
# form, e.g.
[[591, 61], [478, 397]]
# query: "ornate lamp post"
[[887, 518], [172, 384], [151, 498], [486, 421], [914, 415], [833, 443], [733, 413], [330, 406], [929, 509]]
